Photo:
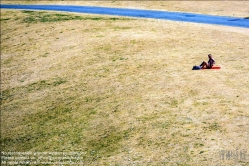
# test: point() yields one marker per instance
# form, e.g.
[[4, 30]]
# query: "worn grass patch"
[[121, 91]]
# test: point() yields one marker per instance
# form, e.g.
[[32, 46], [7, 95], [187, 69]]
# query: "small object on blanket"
[[196, 68]]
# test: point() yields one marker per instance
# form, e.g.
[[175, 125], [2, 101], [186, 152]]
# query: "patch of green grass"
[[4, 19], [35, 86], [166, 125], [197, 145], [37, 16], [59, 81], [213, 127], [6, 94], [45, 55], [33, 125], [28, 11], [174, 103], [7, 61], [121, 28], [201, 152], [33, 17], [119, 58], [90, 99], [55, 113], [44, 84], [108, 142]]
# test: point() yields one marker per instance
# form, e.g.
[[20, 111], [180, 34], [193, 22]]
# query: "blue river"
[[154, 14]]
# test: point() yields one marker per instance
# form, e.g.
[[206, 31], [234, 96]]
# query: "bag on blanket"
[[196, 68]]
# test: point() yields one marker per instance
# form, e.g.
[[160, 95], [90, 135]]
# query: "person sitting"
[[210, 63]]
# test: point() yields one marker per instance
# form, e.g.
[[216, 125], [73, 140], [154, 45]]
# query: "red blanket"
[[214, 67]]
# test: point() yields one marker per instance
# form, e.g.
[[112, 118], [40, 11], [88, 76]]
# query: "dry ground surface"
[[121, 90]]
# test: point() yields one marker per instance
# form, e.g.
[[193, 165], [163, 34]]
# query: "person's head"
[[209, 56]]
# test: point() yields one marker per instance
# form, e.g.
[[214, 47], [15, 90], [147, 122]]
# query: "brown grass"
[[123, 90]]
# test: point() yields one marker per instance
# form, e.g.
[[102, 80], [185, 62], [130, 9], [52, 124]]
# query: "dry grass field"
[[121, 89]]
